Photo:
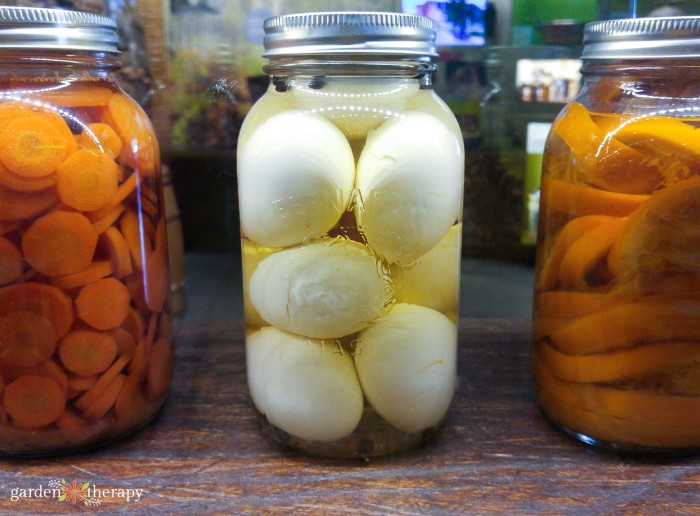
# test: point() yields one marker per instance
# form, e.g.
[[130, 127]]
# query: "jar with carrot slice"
[[86, 347], [616, 326]]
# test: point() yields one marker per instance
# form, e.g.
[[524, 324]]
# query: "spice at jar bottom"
[[85, 338], [350, 173], [616, 355]]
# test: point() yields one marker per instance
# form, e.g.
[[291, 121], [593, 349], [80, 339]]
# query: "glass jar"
[[85, 339], [617, 289], [350, 174]]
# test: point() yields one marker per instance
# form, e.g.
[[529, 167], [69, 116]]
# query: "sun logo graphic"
[[74, 492]]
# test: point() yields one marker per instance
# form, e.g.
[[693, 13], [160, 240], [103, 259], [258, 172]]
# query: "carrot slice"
[[157, 280], [133, 232], [101, 138], [103, 304], [135, 283], [587, 251], [81, 383], [31, 146], [87, 352], [8, 227], [581, 200], [105, 400], [160, 369], [26, 338], [87, 180], [24, 205], [134, 324], [50, 368], [102, 383], [548, 277], [131, 401], [611, 164], [619, 326], [113, 244], [97, 270], [24, 184], [108, 220], [34, 401], [140, 148], [73, 95], [122, 193], [60, 243], [41, 299], [566, 305], [126, 344], [11, 262], [71, 422], [605, 367]]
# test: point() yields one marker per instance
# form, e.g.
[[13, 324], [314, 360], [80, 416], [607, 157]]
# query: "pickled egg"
[[252, 254], [355, 106], [406, 362], [433, 280], [303, 386], [410, 176], [295, 177], [322, 290]]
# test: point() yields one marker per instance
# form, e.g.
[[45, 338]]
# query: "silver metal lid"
[[643, 38], [53, 29], [347, 33]]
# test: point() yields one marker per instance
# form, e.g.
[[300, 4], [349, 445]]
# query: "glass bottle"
[[617, 289], [350, 174], [85, 338]]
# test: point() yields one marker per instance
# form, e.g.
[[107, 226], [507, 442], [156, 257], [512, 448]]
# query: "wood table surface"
[[205, 454]]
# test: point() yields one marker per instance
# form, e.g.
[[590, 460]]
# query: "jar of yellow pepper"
[[85, 342], [617, 298]]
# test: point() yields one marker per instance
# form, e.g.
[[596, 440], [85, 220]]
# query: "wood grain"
[[204, 454]]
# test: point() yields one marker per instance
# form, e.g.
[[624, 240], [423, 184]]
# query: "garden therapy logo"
[[76, 493]]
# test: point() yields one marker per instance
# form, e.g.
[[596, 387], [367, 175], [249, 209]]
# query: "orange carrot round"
[[96, 270], [103, 304], [101, 138], [113, 245], [126, 345], [16, 205], [134, 234], [157, 280], [24, 184], [81, 383], [103, 224], [140, 150], [87, 399], [105, 400], [160, 369], [87, 352], [34, 401], [134, 324], [11, 262], [40, 299], [50, 368], [87, 180], [31, 146], [60, 243], [26, 338]]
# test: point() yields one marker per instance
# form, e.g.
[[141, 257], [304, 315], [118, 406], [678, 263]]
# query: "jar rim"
[[642, 38], [36, 28], [349, 33]]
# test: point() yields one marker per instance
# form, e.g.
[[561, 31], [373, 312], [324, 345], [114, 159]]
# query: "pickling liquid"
[[85, 336], [351, 306], [617, 340]]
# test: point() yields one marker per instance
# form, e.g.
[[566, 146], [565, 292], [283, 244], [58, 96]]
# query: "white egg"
[[295, 177], [433, 280], [410, 177], [305, 387], [251, 255], [407, 364], [355, 105], [323, 290], [270, 104]]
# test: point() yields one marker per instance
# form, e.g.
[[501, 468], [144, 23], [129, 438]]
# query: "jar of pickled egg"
[[350, 177], [617, 290], [85, 338]]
